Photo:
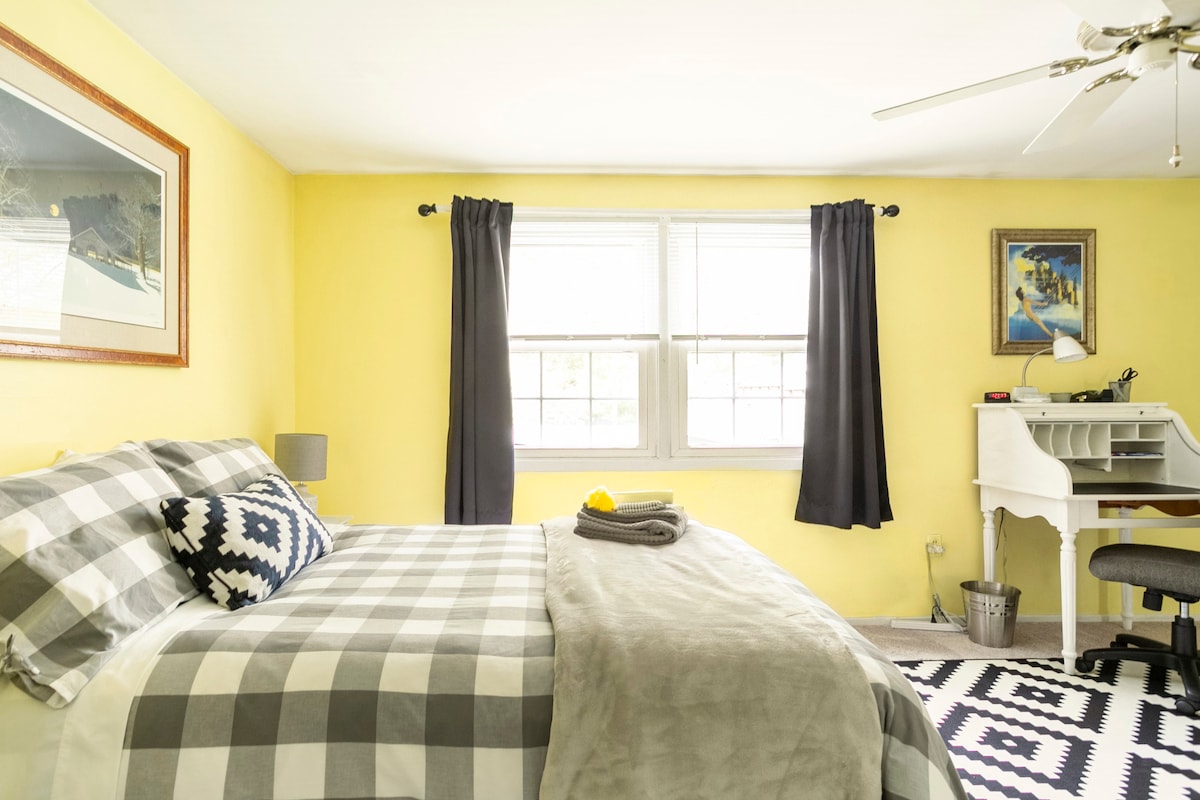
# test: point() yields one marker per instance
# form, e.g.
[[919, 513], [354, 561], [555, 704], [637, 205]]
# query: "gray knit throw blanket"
[[652, 522]]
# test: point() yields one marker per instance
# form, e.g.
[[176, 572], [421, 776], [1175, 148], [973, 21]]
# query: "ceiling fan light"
[[1153, 56]]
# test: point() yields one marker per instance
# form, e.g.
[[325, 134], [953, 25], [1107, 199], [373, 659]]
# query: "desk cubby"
[[1096, 442], [1099, 444]]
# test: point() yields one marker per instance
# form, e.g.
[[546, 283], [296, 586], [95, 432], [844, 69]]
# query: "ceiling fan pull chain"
[[1176, 158]]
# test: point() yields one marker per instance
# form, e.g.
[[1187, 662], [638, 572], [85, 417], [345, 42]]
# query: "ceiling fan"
[[1172, 29]]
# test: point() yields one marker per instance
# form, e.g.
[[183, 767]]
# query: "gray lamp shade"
[[301, 456]]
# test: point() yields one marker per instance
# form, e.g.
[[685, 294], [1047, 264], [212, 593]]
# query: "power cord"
[[937, 613], [1003, 537]]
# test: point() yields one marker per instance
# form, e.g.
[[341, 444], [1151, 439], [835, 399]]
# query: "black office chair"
[[1162, 571]]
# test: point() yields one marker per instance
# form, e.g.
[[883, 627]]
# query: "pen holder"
[[1120, 391]]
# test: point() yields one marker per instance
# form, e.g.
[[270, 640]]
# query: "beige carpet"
[[1030, 640]]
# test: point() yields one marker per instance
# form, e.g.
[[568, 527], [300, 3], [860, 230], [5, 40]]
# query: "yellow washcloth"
[[600, 499]]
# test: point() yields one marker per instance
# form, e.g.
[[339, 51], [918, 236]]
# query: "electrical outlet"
[[933, 544]]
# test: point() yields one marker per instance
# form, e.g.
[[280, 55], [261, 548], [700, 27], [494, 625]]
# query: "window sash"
[[646, 352], [785, 402]]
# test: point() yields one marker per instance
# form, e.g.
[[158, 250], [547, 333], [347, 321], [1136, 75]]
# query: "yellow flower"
[[600, 500]]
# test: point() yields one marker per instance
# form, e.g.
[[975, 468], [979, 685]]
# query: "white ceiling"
[[656, 86]]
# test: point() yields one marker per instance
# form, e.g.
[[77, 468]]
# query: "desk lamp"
[[1066, 349], [301, 456]]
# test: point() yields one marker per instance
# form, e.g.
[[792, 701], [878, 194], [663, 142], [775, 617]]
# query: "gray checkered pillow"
[[83, 565], [212, 467], [240, 547]]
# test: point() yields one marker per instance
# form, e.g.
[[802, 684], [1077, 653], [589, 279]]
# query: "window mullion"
[[669, 387]]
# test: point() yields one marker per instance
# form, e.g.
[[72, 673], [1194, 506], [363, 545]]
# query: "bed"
[[145, 658]]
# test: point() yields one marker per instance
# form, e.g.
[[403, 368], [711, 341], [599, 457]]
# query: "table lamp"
[[1066, 349], [301, 457]]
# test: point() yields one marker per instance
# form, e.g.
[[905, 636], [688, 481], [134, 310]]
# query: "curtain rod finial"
[[890, 211], [425, 209]]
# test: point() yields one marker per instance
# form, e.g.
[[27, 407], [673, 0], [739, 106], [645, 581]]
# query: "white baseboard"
[[921, 625], [1094, 618], [920, 622]]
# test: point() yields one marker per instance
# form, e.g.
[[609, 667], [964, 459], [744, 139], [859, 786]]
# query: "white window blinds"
[[588, 278], [752, 278]]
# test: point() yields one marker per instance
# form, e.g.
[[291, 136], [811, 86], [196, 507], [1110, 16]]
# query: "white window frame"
[[648, 384], [662, 371], [748, 457]]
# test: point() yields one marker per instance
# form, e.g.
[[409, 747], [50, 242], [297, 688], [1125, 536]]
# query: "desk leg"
[[1125, 535], [989, 545], [1066, 569]]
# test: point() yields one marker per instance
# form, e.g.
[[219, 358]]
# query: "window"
[[658, 340]]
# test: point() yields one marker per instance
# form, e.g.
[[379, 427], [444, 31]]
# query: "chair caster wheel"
[[1084, 665], [1186, 707]]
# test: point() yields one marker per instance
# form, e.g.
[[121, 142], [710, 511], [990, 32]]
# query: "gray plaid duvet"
[[410, 662]]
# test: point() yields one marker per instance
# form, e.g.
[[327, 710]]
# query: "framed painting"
[[93, 221], [1042, 280]]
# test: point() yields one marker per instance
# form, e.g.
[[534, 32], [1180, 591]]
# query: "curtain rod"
[[425, 209]]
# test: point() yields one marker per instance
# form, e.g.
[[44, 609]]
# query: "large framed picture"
[[93, 220], [1042, 281]]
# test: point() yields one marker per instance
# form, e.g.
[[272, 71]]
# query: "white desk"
[[1065, 462]]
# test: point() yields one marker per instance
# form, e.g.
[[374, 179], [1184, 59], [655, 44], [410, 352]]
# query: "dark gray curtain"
[[844, 478], [479, 447]]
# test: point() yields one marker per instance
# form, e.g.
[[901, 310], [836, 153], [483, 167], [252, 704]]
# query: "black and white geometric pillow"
[[240, 547]]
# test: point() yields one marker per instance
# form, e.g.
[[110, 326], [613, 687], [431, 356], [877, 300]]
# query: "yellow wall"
[[241, 378], [373, 283], [354, 342]]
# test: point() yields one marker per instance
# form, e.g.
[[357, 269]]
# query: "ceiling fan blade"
[[1079, 114], [1184, 12], [1122, 13], [1119, 13], [964, 92]]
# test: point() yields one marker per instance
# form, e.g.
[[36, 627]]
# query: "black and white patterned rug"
[[1024, 729]]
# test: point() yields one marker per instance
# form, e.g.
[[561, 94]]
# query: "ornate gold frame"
[[1059, 268]]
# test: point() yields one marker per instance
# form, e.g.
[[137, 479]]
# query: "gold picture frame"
[[93, 220], [1042, 280]]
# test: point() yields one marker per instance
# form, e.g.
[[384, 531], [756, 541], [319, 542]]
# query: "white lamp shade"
[[1067, 349], [301, 456]]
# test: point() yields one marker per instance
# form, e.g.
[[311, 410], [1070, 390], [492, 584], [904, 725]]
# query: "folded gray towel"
[[652, 522]]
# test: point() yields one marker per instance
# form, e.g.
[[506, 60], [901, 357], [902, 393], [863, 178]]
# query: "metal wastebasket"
[[991, 612]]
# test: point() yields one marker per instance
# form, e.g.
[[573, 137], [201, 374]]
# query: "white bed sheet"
[[75, 752]]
